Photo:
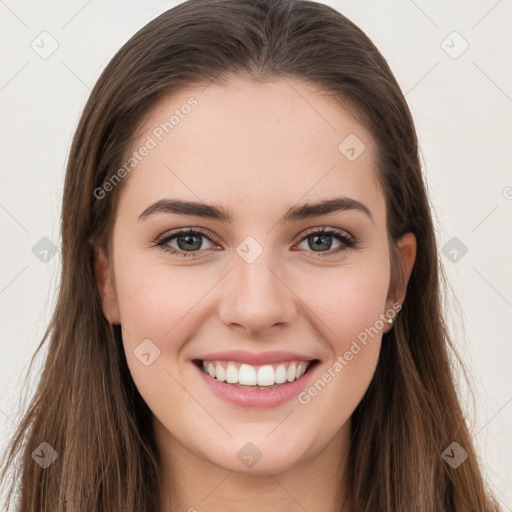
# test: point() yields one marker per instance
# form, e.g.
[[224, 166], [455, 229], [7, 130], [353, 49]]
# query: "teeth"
[[220, 373], [280, 375], [265, 376], [248, 375], [231, 374], [291, 373]]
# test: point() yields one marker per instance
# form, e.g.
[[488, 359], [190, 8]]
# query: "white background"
[[463, 112]]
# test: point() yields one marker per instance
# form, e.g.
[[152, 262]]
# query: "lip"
[[259, 398], [255, 359]]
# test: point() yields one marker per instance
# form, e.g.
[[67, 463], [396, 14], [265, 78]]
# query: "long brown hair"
[[86, 406]]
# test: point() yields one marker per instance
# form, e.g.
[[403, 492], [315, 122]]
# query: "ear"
[[407, 248], [105, 283]]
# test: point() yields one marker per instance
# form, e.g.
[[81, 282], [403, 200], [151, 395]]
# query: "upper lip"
[[255, 359]]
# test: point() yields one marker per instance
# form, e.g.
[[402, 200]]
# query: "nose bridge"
[[256, 297]]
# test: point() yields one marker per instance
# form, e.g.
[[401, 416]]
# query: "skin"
[[257, 150]]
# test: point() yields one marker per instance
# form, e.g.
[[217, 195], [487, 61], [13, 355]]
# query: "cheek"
[[351, 325], [156, 301], [349, 301], [159, 305]]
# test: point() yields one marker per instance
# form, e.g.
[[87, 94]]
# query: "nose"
[[257, 296]]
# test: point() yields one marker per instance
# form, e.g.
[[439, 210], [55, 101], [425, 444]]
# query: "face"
[[254, 278]]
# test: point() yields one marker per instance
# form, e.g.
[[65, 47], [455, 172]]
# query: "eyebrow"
[[295, 213]]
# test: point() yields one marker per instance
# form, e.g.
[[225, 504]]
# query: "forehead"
[[253, 145]]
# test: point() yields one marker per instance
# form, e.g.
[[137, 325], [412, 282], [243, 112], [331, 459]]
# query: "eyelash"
[[348, 242]]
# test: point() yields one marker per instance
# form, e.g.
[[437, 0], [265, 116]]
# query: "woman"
[[249, 314]]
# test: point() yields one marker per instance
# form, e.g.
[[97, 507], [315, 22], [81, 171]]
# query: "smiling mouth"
[[248, 376]]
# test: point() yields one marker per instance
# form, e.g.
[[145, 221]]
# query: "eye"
[[189, 242], [322, 239]]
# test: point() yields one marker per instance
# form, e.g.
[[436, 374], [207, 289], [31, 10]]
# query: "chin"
[[258, 455]]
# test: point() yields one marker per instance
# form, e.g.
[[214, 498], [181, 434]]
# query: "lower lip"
[[258, 398]]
